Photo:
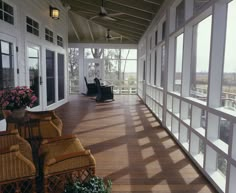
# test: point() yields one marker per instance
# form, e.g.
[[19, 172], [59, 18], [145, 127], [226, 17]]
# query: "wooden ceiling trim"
[[90, 31], [88, 4], [121, 25], [135, 6], [135, 21]]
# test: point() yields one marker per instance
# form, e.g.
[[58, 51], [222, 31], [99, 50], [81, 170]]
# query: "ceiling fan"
[[110, 37], [103, 14]]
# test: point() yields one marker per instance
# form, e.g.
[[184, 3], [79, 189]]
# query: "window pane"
[[200, 66], [5, 47], [178, 63], [112, 53], [73, 68], [229, 76], [6, 61], [8, 8], [224, 131], [8, 18], [128, 54], [156, 38], [163, 30], [93, 53], [111, 70], [162, 64], [1, 15], [155, 68], [221, 164]]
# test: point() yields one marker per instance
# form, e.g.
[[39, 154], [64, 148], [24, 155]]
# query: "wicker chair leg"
[[45, 185], [34, 185], [17, 188]]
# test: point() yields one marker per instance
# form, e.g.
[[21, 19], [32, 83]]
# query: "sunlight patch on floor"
[[147, 152], [176, 156], [143, 141], [153, 168], [136, 123], [139, 128]]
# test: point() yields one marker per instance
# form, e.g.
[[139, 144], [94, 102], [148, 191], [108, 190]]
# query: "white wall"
[[38, 11]]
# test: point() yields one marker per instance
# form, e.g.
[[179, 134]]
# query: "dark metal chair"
[[103, 92], [91, 88]]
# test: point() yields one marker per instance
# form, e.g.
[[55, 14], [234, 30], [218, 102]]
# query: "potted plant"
[[16, 100], [93, 185]]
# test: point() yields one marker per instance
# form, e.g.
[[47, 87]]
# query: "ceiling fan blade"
[[115, 14], [108, 18], [94, 17], [113, 38]]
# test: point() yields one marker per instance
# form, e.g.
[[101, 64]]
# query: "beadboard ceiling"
[[131, 19]]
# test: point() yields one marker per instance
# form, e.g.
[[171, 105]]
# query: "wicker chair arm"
[[12, 148], [22, 166], [9, 132], [58, 139], [67, 156]]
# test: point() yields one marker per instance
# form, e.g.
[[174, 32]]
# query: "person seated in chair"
[[103, 92]]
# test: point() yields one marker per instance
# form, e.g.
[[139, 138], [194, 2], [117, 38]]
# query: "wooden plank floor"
[[130, 147]]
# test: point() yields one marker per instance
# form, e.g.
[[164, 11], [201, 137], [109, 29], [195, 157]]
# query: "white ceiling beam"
[[73, 27], [90, 31]]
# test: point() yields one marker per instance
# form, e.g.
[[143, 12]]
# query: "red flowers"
[[16, 98]]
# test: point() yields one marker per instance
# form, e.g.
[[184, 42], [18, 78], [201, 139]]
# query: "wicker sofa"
[[17, 172]]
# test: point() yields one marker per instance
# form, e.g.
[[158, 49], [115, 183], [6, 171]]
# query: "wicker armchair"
[[17, 173], [65, 159]]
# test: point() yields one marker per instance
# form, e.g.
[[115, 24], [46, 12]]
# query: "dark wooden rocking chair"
[[91, 88], [103, 92]]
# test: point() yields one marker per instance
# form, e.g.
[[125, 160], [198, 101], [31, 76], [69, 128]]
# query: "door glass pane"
[[6, 65], [50, 72], [5, 47], [61, 81], [33, 63]]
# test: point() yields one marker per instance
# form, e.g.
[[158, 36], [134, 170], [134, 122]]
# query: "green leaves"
[[93, 185]]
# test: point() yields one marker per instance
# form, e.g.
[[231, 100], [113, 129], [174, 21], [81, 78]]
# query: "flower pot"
[[18, 113]]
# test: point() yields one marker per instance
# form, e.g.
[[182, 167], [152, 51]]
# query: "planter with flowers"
[[16, 100]]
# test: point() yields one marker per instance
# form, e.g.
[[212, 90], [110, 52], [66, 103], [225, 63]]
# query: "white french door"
[[34, 74], [8, 67]]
